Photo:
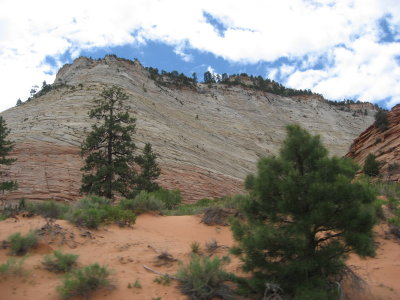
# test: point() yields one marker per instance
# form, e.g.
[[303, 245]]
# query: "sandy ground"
[[126, 250]]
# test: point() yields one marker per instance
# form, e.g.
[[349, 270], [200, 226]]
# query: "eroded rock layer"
[[208, 138], [385, 145]]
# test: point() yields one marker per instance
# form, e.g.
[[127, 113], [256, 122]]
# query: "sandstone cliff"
[[385, 145], [208, 138]]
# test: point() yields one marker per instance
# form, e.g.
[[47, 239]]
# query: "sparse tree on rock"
[[149, 170], [381, 120], [6, 146], [371, 166], [304, 214], [109, 148]]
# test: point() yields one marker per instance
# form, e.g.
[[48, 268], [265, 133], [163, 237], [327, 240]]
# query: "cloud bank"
[[342, 49]]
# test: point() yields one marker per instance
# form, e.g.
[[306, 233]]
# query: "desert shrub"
[[82, 282], [20, 245], [48, 209], [387, 188], [59, 262], [93, 211], [190, 209], [93, 202], [216, 216], [13, 267], [90, 218], [204, 278], [119, 216], [236, 201], [371, 166], [144, 201], [170, 198], [195, 248], [381, 120]]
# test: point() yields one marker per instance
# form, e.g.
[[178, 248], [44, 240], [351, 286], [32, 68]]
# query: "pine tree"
[[381, 120], [304, 214], [371, 166], [6, 146], [149, 170], [109, 148]]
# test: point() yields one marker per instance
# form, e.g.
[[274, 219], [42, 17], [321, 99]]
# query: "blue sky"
[[344, 49]]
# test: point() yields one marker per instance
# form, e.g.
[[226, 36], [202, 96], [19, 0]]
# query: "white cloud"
[[257, 30]]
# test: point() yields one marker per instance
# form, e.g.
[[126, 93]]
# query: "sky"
[[343, 49]]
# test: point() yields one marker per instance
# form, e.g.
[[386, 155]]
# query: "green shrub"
[[119, 216], [387, 188], [82, 282], [93, 211], [381, 120], [90, 218], [170, 198], [48, 209], [93, 202], [20, 245], [191, 209], [59, 262], [144, 201], [371, 166], [204, 278], [13, 267]]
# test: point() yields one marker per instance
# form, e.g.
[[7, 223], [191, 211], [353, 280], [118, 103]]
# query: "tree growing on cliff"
[[304, 214], [371, 166], [381, 120], [149, 170], [6, 147], [109, 148]]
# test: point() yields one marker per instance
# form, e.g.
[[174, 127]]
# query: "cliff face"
[[385, 145], [208, 138]]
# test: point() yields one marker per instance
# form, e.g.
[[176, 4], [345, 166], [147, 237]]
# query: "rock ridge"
[[208, 139]]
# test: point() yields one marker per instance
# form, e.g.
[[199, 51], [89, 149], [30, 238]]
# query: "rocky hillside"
[[385, 145], [208, 137]]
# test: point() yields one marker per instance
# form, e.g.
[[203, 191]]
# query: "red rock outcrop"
[[385, 145]]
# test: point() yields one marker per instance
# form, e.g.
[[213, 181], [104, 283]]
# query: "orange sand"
[[126, 250]]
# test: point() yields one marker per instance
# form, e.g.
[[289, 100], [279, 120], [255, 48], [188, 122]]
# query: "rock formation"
[[385, 145], [208, 138]]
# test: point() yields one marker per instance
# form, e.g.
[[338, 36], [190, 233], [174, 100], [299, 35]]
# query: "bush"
[[20, 245], [381, 120], [48, 209], [119, 216], [191, 209], [93, 211], [204, 278], [90, 218], [387, 188], [82, 282], [371, 166], [59, 262], [13, 267], [93, 202], [143, 202], [170, 198]]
